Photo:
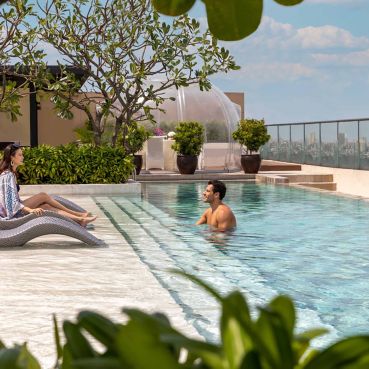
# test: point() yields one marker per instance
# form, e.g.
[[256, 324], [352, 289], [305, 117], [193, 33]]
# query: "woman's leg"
[[83, 221], [36, 201]]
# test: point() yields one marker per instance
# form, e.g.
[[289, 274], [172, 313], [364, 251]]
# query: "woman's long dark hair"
[[6, 162]]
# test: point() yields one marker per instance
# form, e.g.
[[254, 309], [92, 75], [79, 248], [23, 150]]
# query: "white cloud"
[[277, 71], [276, 35], [355, 59], [326, 37]]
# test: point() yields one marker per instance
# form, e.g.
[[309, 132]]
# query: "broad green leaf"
[[100, 327], [344, 352], [173, 7], [97, 363], [251, 361], [283, 306], [288, 2], [233, 19], [26, 360], [8, 358], [137, 338], [236, 328], [211, 354], [78, 344], [311, 334], [302, 342], [275, 342]]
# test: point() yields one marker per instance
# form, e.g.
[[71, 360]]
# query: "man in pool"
[[219, 216]]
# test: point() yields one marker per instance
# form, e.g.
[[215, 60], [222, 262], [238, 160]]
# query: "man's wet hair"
[[218, 186]]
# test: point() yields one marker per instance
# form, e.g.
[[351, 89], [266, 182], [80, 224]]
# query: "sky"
[[308, 62]]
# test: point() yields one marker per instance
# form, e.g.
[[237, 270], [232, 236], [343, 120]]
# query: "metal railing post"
[[338, 143], [290, 145], [278, 155], [320, 143], [304, 151], [358, 145]]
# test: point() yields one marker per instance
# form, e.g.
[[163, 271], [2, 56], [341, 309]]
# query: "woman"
[[10, 204]]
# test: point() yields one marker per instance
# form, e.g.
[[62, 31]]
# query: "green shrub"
[[75, 164], [136, 137], [148, 341], [189, 138], [251, 133]]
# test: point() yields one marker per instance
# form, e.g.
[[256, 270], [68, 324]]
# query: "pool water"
[[309, 245]]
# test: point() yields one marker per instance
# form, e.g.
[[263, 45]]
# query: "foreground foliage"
[[228, 20], [75, 164], [148, 341]]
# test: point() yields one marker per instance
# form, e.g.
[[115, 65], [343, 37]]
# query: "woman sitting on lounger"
[[10, 204]]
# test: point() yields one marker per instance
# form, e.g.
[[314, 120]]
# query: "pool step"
[[272, 166], [329, 186], [319, 181]]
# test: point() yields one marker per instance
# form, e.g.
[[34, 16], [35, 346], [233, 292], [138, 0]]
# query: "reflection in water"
[[219, 239]]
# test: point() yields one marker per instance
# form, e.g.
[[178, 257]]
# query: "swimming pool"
[[309, 245]]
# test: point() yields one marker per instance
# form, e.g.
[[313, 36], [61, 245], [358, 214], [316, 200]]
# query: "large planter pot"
[[251, 163], [186, 164], [137, 161]]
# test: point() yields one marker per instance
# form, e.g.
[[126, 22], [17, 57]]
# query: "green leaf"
[[173, 7], [283, 306], [8, 358], [251, 361], [26, 360], [345, 352], [233, 19], [97, 363], [236, 328], [137, 338], [100, 327], [288, 2], [274, 339], [78, 344], [59, 349]]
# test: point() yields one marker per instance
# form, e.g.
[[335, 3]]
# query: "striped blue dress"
[[10, 204]]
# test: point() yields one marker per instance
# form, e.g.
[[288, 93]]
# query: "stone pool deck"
[[57, 274]]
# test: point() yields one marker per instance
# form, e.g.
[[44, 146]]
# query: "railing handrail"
[[319, 121]]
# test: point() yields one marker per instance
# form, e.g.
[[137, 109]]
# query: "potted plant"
[[251, 134], [133, 142], [189, 139]]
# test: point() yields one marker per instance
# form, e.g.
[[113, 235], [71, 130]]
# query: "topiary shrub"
[[252, 134], [135, 138], [75, 164], [189, 138]]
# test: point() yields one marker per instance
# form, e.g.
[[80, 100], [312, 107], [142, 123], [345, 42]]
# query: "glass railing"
[[340, 144]]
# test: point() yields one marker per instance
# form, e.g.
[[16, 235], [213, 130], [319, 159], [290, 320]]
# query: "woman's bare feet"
[[85, 220], [86, 214]]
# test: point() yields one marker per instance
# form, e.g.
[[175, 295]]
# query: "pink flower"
[[158, 131]]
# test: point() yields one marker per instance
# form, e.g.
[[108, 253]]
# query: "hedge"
[[75, 164]]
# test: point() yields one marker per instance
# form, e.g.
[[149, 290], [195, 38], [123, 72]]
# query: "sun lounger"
[[18, 231], [68, 204]]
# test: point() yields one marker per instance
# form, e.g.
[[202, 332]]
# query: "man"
[[219, 216]]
